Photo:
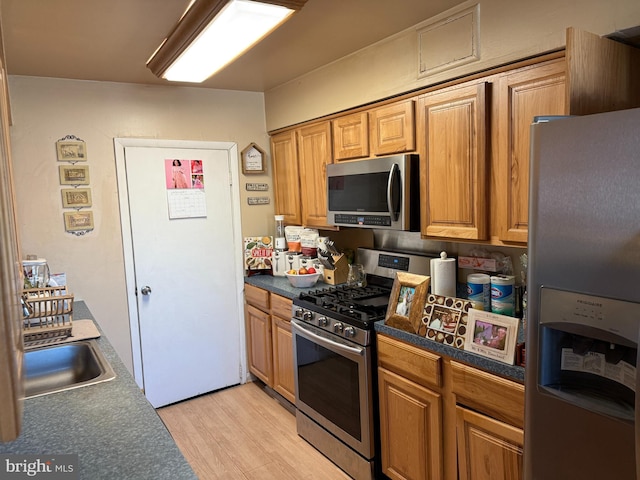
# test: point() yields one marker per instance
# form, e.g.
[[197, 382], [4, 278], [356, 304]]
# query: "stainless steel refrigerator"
[[583, 291]]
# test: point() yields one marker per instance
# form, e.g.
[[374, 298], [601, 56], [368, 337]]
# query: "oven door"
[[333, 381]]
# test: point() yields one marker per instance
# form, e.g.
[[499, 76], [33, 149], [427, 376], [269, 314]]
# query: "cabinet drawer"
[[424, 368], [495, 396], [256, 297], [281, 306]]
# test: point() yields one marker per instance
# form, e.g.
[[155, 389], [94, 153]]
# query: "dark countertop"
[[112, 427], [281, 286]]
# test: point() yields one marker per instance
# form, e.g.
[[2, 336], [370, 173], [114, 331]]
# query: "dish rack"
[[48, 314]]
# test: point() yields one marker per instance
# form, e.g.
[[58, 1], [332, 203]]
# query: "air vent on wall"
[[449, 42]]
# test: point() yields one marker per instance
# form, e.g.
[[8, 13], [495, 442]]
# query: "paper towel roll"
[[443, 276]]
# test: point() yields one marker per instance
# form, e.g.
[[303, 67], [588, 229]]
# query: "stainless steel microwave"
[[378, 193]]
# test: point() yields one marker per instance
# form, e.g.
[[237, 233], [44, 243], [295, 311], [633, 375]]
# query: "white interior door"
[[186, 275]]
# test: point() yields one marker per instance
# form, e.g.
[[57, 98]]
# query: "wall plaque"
[[258, 200], [257, 187]]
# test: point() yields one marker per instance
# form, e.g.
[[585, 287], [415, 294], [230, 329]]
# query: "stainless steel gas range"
[[335, 362]]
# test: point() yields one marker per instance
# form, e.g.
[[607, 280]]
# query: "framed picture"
[[444, 320], [76, 197], [74, 174], [74, 221], [71, 151], [492, 335], [407, 300], [253, 160]]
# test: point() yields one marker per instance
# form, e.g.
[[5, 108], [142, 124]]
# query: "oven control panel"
[[355, 334], [385, 263]]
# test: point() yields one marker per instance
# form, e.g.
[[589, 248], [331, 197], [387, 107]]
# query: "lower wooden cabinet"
[[259, 346], [410, 428], [487, 448], [442, 419], [283, 370], [269, 339]]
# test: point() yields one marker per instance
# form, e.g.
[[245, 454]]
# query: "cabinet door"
[[521, 96], [410, 428], [259, 344], [452, 143], [392, 128], [350, 136], [286, 177], [283, 381], [487, 449], [314, 154], [603, 74]]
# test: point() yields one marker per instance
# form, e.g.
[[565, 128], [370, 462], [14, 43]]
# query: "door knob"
[[146, 290]]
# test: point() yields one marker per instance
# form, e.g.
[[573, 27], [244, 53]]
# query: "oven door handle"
[[321, 340]]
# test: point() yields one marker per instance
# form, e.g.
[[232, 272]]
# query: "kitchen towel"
[[443, 276]]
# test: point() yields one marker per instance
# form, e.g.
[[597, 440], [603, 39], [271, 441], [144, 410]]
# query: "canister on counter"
[[503, 295], [479, 291]]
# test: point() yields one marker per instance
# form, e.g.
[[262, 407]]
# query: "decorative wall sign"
[[71, 149], [76, 197], [258, 200], [253, 160], [74, 174], [81, 221], [257, 187]]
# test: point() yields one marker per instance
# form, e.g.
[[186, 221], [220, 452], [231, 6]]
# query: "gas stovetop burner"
[[361, 306]]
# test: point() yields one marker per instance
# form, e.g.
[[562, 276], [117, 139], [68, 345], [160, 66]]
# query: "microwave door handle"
[[395, 171]]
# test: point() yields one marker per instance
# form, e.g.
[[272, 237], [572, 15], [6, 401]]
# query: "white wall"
[[45, 110], [508, 30]]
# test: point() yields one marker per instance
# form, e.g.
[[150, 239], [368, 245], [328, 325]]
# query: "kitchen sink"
[[64, 367]]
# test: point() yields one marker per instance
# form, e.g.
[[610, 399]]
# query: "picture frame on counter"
[[74, 174], [76, 197], [78, 221], [71, 150], [491, 335], [407, 301], [445, 320]]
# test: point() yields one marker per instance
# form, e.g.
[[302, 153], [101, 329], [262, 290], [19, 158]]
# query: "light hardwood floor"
[[243, 433]]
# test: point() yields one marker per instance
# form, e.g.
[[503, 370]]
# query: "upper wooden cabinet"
[[472, 136], [314, 154], [350, 136], [452, 128], [286, 177], [520, 96], [300, 159], [603, 75], [392, 128], [386, 130]]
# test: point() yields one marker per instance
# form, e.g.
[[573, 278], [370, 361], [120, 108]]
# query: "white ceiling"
[[111, 40]]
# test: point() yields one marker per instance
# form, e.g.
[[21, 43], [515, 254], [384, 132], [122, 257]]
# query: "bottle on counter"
[[280, 243]]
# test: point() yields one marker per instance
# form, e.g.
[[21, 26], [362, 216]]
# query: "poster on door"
[[185, 188]]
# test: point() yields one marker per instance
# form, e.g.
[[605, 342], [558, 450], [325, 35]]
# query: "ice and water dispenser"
[[588, 351]]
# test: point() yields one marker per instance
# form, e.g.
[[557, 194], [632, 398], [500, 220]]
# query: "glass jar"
[[356, 276]]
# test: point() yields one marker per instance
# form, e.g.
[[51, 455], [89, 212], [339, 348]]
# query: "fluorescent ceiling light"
[[205, 46]]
